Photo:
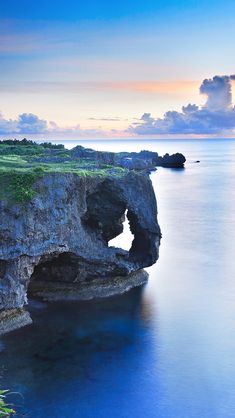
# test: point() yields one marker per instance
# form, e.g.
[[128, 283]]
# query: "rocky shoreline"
[[143, 160], [12, 319], [55, 230]]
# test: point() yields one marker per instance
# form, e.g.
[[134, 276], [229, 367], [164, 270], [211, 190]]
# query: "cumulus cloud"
[[26, 123], [218, 91], [30, 124], [215, 117]]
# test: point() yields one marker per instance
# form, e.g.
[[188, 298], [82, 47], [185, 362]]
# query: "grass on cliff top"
[[18, 187], [22, 165]]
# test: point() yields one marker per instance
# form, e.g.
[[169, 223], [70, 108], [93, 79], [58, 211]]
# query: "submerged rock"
[[59, 239]]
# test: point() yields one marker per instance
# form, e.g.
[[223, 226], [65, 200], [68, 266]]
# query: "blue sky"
[[95, 68], [73, 10]]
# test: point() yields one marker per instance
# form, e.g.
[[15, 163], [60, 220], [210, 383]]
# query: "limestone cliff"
[[59, 239]]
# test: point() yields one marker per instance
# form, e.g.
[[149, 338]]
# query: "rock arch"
[[64, 232]]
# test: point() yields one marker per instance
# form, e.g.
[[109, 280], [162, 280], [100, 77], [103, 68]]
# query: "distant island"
[[59, 210]]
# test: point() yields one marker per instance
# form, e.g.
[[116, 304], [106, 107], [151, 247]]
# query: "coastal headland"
[[59, 210]]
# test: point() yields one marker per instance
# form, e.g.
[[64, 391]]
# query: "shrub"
[[5, 410], [21, 186]]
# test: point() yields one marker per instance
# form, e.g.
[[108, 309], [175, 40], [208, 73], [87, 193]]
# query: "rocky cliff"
[[143, 160], [56, 245]]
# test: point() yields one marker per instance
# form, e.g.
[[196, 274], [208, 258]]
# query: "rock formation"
[[131, 160], [56, 244]]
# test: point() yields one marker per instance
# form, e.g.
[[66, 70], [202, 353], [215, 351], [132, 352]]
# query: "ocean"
[[164, 351]]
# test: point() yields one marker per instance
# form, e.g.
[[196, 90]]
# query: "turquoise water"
[[164, 351]]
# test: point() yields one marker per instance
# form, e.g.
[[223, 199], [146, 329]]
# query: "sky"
[[101, 69]]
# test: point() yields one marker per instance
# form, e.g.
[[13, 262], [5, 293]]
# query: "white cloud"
[[30, 124], [26, 123], [215, 117]]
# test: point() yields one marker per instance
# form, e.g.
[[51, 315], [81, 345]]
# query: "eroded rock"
[[60, 238]]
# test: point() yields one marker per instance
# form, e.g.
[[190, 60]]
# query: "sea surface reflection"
[[76, 353]]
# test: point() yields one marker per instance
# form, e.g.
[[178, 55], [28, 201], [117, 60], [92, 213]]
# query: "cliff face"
[[60, 238]]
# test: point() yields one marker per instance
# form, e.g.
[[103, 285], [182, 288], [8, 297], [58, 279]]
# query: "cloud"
[[114, 119], [215, 117], [26, 123], [218, 91], [30, 124]]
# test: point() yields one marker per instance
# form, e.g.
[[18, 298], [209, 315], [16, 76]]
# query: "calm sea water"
[[165, 351]]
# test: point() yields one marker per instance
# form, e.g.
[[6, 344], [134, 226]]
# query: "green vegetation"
[[5, 410], [17, 187], [106, 166], [27, 142], [22, 163]]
